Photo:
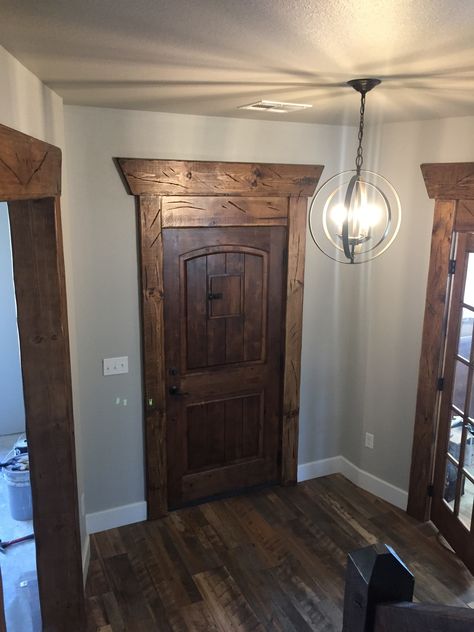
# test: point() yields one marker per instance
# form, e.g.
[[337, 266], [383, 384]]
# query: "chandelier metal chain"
[[359, 156]]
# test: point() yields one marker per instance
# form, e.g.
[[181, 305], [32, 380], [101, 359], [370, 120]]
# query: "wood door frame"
[[30, 183], [451, 185], [155, 181]]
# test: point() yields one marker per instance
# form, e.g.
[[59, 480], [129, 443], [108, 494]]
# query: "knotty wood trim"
[[293, 335], [425, 427], [43, 331], [29, 168], [190, 212], [177, 177], [450, 180], [151, 255]]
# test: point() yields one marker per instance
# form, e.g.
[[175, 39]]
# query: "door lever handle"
[[212, 296], [174, 390]]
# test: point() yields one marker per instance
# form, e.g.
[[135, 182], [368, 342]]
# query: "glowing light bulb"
[[338, 214]]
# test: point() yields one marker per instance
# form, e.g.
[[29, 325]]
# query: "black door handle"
[[212, 296], [174, 390]]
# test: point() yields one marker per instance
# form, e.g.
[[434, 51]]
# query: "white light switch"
[[112, 366]]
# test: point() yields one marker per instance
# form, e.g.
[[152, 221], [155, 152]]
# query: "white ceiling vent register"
[[279, 107]]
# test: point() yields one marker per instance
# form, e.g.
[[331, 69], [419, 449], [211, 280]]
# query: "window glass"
[[469, 287], [460, 385]]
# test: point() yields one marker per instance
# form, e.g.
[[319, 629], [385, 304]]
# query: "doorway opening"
[[17, 546]]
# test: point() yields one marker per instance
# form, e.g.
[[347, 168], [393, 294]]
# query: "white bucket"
[[19, 493]]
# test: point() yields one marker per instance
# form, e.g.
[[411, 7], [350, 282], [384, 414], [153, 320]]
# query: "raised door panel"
[[223, 306]]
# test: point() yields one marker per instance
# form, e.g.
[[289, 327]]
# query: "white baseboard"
[[361, 478], [136, 512], [315, 469], [374, 484], [116, 517], [86, 558]]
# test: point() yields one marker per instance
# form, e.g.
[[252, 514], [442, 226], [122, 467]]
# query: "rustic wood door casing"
[[223, 349], [180, 194], [30, 181], [452, 186]]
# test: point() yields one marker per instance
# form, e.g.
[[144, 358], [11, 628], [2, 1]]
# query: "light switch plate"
[[113, 366]]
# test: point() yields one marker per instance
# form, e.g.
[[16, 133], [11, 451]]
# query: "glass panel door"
[[453, 498]]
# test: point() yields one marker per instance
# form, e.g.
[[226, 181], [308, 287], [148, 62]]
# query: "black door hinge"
[[440, 384], [452, 266], [430, 490]]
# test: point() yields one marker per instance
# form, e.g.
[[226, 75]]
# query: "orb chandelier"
[[355, 215]]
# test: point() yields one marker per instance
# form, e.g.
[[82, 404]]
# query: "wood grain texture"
[[188, 212], [415, 617], [293, 336], [272, 560], [29, 168], [206, 340], [450, 180], [177, 177], [151, 257], [425, 425], [43, 331], [464, 216]]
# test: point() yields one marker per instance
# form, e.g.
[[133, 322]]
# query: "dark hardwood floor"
[[272, 560]]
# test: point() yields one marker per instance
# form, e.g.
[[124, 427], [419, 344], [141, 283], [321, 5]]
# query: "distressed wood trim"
[[293, 334], [151, 255], [464, 216], [425, 428], [190, 212], [450, 180], [29, 168], [43, 330], [177, 177]]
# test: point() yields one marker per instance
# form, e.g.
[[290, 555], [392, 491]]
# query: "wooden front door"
[[230, 240], [453, 494], [223, 319]]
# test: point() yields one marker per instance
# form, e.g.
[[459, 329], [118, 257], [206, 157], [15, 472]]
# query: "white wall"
[[104, 254], [28, 106], [391, 292], [12, 409]]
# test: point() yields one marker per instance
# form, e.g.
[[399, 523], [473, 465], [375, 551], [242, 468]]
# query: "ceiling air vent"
[[278, 107]]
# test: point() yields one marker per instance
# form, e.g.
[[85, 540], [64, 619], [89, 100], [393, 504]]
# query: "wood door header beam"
[[177, 177], [449, 180], [29, 168]]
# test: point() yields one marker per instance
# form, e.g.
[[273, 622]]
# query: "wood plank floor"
[[272, 560]]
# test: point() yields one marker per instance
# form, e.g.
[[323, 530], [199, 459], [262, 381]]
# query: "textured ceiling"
[[210, 56]]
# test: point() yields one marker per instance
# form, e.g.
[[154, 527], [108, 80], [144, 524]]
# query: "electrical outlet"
[[113, 366], [369, 440]]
